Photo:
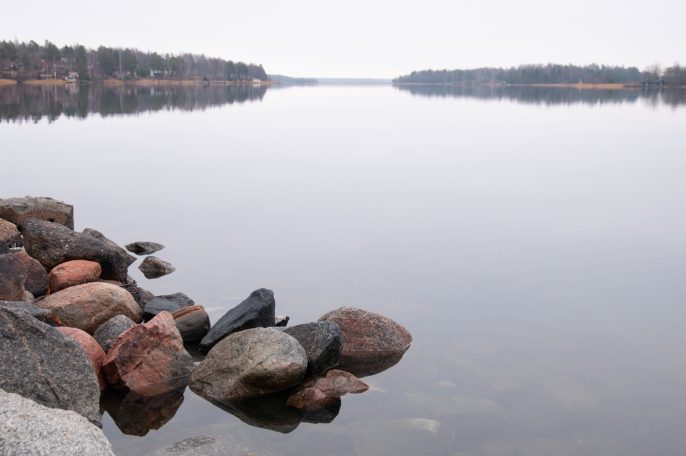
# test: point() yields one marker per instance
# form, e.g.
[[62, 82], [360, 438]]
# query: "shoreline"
[[136, 82], [579, 86]]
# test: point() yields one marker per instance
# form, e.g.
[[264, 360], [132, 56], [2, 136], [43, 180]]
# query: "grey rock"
[[107, 332], [36, 275], [153, 268], [217, 444], [250, 363], [13, 275], [171, 303], [38, 362], [35, 311], [31, 429], [10, 235], [192, 323], [144, 248], [19, 210], [323, 343], [52, 244], [281, 321], [140, 295], [254, 312]]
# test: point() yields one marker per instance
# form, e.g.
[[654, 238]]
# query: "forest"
[[30, 60], [549, 74]]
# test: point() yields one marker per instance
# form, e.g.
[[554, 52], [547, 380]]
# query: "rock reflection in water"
[[136, 414], [267, 412]]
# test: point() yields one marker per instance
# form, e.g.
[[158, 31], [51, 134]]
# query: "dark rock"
[[281, 321], [31, 429], [19, 210], [35, 311], [170, 303], [91, 347], [153, 268], [371, 342], [266, 412], [254, 312], [144, 248], [250, 363], [192, 323], [137, 414], [39, 363], [52, 244], [324, 411], [89, 305], [37, 276], [148, 359], [74, 272], [108, 332], [13, 277], [140, 295], [322, 342], [10, 235]]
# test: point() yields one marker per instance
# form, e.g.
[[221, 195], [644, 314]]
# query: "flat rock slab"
[[250, 363], [30, 429], [256, 311], [323, 343], [53, 244], [154, 268], [148, 359], [74, 272], [19, 210], [143, 247], [39, 363], [371, 342], [89, 305]]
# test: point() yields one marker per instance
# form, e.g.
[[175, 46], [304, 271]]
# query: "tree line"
[[549, 74], [31, 60]]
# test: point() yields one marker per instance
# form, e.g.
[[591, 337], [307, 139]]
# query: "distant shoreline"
[[137, 82], [580, 86]]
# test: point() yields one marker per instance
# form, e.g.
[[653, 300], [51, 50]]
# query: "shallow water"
[[533, 243]]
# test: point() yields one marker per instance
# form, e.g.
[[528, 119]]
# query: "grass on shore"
[[7, 82]]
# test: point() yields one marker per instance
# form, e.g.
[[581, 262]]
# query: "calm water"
[[533, 242]]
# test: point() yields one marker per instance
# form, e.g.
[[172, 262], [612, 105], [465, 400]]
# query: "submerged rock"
[[41, 364], [108, 332], [89, 305], [13, 277], [192, 323], [91, 347], [250, 363], [153, 268], [143, 248], [74, 272], [149, 358], [372, 342], [254, 312], [170, 303], [19, 210], [31, 429], [36, 275], [322, 342], [53, 244]]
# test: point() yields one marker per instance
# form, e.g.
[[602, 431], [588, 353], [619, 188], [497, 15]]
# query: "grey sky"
[[382, 38]]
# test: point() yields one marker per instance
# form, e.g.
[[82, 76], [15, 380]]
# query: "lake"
[[532, 240]]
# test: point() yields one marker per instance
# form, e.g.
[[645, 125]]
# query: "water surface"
[[532, 243]]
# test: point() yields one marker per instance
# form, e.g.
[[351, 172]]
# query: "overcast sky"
[[369, 38]]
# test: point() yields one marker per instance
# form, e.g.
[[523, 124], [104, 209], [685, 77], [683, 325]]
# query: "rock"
[[19, 210], [74, 272], [192, 323], [154, 268], [322, 342], [336, 383], [144, 248], [140, 295], [10, 235], [31, 429], [149, 358], [220, 443], [372, 342], [35, 311], [92, 349], [40, 363], [53, 244], [171, 303], [250, 363], [136, 414], [89, 305], [37, 276], [108, 332], [13, 277], [281, 321], [254, 312]]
